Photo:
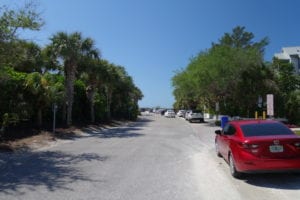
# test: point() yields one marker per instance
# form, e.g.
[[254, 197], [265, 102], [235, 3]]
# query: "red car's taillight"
[[297, 145], [250, 147]]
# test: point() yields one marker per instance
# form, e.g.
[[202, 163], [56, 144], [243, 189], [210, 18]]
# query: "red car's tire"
[[233, 171], [217, 149]]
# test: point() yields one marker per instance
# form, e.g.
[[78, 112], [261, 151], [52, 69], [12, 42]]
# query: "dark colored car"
[[258, 146]]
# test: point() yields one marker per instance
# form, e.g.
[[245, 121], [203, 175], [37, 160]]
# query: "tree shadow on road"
[[128, 131], [288, 181], [53, 170]]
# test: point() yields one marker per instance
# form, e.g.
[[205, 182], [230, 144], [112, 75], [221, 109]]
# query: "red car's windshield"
[[265, 129]]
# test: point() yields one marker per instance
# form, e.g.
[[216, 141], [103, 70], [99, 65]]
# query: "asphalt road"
[[155, 158]]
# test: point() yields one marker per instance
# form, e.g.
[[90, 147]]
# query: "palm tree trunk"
[[92, 105], [90, 94], [92, 112], [64, 112], [70, 93], [39, 117]]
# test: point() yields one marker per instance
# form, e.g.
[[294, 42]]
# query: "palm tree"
[[93, 72], [70, 49], [110, 82], [39, 88], [126, 95]]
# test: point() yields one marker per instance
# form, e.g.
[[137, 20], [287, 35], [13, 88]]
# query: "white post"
[[270, 105]]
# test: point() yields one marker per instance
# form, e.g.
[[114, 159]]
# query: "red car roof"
[[252, 121]]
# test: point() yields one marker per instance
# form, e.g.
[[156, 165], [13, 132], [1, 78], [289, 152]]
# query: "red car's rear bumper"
[[248, 163]]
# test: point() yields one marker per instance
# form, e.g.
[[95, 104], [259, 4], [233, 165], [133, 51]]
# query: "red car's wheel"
[[232, 167], [217, 149]]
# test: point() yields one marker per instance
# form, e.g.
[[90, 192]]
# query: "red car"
[[258, 146]]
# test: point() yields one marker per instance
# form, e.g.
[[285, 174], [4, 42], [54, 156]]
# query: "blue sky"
[[154, 38]]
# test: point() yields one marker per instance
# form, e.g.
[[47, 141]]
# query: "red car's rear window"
[[265, 129]]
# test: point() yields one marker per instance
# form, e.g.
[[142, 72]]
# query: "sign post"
[[270, 105]]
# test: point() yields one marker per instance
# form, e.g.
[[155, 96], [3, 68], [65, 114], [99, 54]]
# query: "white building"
[[292, 55]]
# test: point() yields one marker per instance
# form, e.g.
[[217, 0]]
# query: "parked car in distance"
[[162, 111], [251, 146], [187, 113], [195, 116], [181, 113], [170, 114]]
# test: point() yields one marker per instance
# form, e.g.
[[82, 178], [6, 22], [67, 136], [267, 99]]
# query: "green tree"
[[293, 107], [11, 21], [223, 73], [109, 86], [241, 39], [184, 90], [93, 72], [39, 89], [14, 106], [126, 95], [27, 57], [121, 94], [288, 84], [71, 48]]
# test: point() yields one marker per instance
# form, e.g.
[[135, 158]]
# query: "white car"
[[195, 116], [181, 113], [187, 114], [170, 113]]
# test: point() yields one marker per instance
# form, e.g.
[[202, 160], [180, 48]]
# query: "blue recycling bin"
[[224, 121]]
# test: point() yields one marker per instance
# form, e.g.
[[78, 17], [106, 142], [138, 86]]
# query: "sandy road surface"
[[154, 158]]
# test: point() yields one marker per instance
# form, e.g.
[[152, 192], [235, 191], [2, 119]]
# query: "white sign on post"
[[270, 104]]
